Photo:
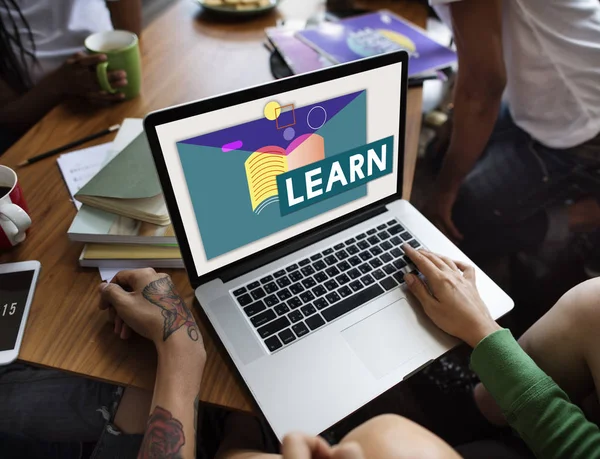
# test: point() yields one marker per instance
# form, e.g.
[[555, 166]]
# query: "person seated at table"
[[42, 60], [508, 172]]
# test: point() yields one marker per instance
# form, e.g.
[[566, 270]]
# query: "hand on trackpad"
[[388, 338]]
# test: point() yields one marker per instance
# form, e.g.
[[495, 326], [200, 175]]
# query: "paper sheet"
[[107, 274]]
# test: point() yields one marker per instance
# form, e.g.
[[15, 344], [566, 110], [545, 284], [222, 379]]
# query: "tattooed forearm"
[[163, 438], [162, 293]]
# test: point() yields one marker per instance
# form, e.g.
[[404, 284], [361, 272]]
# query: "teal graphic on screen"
[[234, 175]]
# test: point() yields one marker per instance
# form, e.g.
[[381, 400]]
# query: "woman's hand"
[[449, 296]]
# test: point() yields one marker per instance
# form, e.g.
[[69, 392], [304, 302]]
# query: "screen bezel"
[[10, 355], [208, 105]]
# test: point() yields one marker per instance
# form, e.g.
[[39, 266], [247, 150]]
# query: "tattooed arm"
[[153, 308]]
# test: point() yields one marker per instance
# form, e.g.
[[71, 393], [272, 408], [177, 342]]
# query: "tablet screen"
[[14, 290]]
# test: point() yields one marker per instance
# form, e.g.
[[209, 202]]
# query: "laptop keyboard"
[[297, 300]]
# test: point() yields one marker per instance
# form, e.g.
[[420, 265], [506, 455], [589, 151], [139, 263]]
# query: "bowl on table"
[[239, 7]]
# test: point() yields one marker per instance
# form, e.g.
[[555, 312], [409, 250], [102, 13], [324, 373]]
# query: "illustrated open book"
[[263, 167], [128, 185]]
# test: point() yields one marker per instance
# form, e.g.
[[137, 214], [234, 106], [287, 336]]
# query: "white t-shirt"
[[552, 58], [59, 28]]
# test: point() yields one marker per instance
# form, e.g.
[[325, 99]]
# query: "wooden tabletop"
[[186, 55]]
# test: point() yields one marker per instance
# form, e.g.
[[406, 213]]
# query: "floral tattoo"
[[161, 293], [164, 436]]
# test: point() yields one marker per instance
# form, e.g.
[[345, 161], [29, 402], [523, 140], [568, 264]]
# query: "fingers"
[[103, 96], [423, 264], [87, 60], [136, 278], [114, 295], [418, 288], [118, 78], [300, 446], [349, 450], [436, 260], [468, 270]]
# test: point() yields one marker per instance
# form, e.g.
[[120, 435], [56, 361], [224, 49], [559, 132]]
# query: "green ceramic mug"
[[123, 52]]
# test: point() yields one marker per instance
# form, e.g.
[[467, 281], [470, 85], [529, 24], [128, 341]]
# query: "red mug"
[[14, 220]]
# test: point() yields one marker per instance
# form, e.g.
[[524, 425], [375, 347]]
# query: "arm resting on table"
[[532, 402]]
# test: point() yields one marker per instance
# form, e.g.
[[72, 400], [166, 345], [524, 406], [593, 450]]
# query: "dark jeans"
[[503, 205]]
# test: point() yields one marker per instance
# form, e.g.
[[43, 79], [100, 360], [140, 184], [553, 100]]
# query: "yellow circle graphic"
[[405, 42], [271, 112]]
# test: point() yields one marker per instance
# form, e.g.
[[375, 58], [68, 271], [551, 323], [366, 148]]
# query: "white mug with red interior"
[[14, 220]]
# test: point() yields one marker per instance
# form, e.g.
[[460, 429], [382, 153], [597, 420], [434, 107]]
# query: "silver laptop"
[[286, 202]]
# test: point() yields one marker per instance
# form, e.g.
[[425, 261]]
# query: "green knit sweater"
[[532, 402]]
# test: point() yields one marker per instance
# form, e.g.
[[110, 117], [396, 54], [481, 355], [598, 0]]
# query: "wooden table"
[[186, 55]]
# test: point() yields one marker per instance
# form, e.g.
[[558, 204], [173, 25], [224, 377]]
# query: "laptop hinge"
[[287, 248]]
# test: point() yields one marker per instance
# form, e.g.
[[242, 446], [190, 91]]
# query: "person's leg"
[[564, 343]]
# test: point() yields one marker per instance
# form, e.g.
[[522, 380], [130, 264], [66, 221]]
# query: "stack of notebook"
[[124, 220]]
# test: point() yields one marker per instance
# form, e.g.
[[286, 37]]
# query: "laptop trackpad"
[[387, 339]]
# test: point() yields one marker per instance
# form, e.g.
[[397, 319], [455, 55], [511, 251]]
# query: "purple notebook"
[[377, 33], [298, 56]]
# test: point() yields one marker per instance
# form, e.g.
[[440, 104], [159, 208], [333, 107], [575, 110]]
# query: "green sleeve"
[[532, 402]]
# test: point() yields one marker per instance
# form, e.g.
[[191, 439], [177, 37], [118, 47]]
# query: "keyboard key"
[[331, 260], [271, 287], [321, 303], [376, 263], [328, 251], [406, 236], [344, 266], [291, 268], [342, 279], [361, 236], [286, 336], [255, 308], [239, 291], [371, 231], [309, 282], [316, 256], [356, 285], [295, 276], [253, 285], [378, 274], [376, 250], [399, 276], [373, 240], [308, 270], [338, 246], [386, 245], [332, 297], [273, 343], [342, 255], [296, 288], [386, 258], [381, 227], [284, 294], [266, 279], [319, 265], [391, 223], [354, 273], [319, 290], [300, 329], [315, 322], [308, 310], [354, 260], [363, 245], [395, 229], [396, 252], [303, 262], [365, 268], [332, 271], [396, 240], [388, 283], [321, 277], [345, 291], [273, 327], [414, 244], [383, 235], [263, 318], [295, 316], [400, 263], [350, 241], [294, 303], [352, 250], [283, 281], [245, 300], [258, 293], [367, 280], [389, 269], [271, 300], [307, 297], [364, 256], [352, 302], [281, 309], [331, 285], [279, 273]]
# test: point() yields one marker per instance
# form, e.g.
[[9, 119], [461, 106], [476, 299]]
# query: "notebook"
[[128, 185], [95, 225], [130, 256], [378, 33]]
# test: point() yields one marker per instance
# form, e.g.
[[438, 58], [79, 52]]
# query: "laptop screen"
[[250, 176]]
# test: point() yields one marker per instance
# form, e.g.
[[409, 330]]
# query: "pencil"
[[68, 146]]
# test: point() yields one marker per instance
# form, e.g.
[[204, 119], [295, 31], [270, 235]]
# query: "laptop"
[[286, 202]]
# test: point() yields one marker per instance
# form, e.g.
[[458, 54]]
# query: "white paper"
[[130, 129], [107, 274]]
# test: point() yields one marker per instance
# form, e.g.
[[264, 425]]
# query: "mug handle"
[[19, 219], [101, 73]]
